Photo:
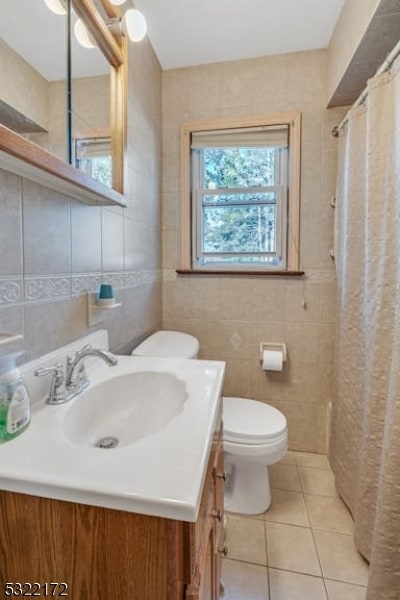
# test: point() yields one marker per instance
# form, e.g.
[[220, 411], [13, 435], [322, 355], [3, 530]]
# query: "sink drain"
[[107, 443]]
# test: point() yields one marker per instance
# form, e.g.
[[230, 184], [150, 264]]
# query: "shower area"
[[365, 430]]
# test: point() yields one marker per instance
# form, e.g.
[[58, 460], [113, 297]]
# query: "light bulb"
[[135, 25], [82, 35], [117, 2], [56, 6]]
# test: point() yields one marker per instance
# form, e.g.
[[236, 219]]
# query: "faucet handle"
[[56, 369], [57, 390]]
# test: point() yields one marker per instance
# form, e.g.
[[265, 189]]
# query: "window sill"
[[240, 273]]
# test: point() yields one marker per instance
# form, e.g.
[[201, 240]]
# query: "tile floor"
[[302, 548]]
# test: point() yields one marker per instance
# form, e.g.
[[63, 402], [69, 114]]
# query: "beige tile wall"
[[16, 75], [53, 248], [91, 112], [232, 315]]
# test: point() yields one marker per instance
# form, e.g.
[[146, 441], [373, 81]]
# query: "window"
[[240, 195], [93, 156]]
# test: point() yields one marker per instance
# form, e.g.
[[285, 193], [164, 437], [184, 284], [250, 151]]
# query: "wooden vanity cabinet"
[[105, 553]]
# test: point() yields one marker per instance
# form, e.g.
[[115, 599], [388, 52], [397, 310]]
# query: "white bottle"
[[14, 400]]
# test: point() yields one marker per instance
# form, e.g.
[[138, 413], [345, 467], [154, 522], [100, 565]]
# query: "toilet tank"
[[170, 344]]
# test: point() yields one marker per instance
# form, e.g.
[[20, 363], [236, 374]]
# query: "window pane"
[[238, 167], [241, 259], [93, 156], [239, 229], [267, 198], [98, 167]]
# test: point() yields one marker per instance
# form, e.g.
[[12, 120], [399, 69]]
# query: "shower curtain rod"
[[385, 66]]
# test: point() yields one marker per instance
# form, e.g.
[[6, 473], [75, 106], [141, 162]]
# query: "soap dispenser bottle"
[[14, 400]]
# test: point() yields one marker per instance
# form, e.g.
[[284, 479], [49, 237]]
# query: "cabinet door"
[[208, 533], [207, 587], [219, 541], [203, 587]]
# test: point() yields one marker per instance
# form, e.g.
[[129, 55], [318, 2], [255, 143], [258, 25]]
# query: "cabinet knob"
[[222, 475], [223, 551], [218, 514]]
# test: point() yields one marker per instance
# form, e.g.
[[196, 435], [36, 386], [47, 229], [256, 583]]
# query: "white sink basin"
[[124, 409], [164, 414]]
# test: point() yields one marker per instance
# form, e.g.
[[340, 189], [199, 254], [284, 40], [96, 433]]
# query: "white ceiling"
[[193, 32], [182, 32]]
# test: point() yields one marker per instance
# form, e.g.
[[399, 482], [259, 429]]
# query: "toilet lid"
[[251, 421], [171, 344]]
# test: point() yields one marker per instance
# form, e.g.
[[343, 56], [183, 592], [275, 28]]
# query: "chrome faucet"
[[74, 385], [57, 393], [64, 388]]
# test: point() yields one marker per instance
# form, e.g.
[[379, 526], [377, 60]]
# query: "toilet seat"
[[251, 422], [171, 344]]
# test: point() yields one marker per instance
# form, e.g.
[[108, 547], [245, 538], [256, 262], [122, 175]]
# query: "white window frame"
[[198, 191], [191, 217]]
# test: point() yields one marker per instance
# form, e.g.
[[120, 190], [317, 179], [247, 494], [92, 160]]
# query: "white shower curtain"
[[365, 439]]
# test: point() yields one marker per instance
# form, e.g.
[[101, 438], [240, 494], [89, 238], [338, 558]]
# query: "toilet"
[[255, 433]]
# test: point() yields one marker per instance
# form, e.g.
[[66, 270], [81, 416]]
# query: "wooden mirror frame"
[[25, 158]]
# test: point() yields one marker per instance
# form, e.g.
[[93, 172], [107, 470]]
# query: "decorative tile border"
[[91, 282], [35, 289], [10, 291], [81, 284], [115, 279], [39, 289], [46, 288], [138, 278]]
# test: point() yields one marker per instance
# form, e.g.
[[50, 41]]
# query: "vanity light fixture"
[[132, 24], [56, 6], [82, 35]]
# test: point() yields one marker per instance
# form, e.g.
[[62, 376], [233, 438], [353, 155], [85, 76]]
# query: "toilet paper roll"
[[272, 360]]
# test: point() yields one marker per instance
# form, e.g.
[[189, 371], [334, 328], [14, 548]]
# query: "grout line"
[[299, 573], [362, 587], [246, 562], [267, 559], [315, 545], [313, 529]]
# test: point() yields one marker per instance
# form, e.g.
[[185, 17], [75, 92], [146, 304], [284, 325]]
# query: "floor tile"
[[289, 458], [291, 548], [329, 514], [339, 557], [284, 476], [314, 461], [245, 539], [295, 586], [338, 590], [307, 527], [287, 507], [243, 581], [318, 481]]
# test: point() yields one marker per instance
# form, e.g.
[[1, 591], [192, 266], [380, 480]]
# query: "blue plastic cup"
[[106, 291]]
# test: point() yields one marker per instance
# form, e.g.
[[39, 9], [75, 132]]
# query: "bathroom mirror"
[[33, 98]]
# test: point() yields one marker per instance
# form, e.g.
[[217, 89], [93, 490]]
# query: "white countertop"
[[160, 475]]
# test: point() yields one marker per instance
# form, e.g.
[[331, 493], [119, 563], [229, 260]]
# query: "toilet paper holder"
[[275, 347]]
